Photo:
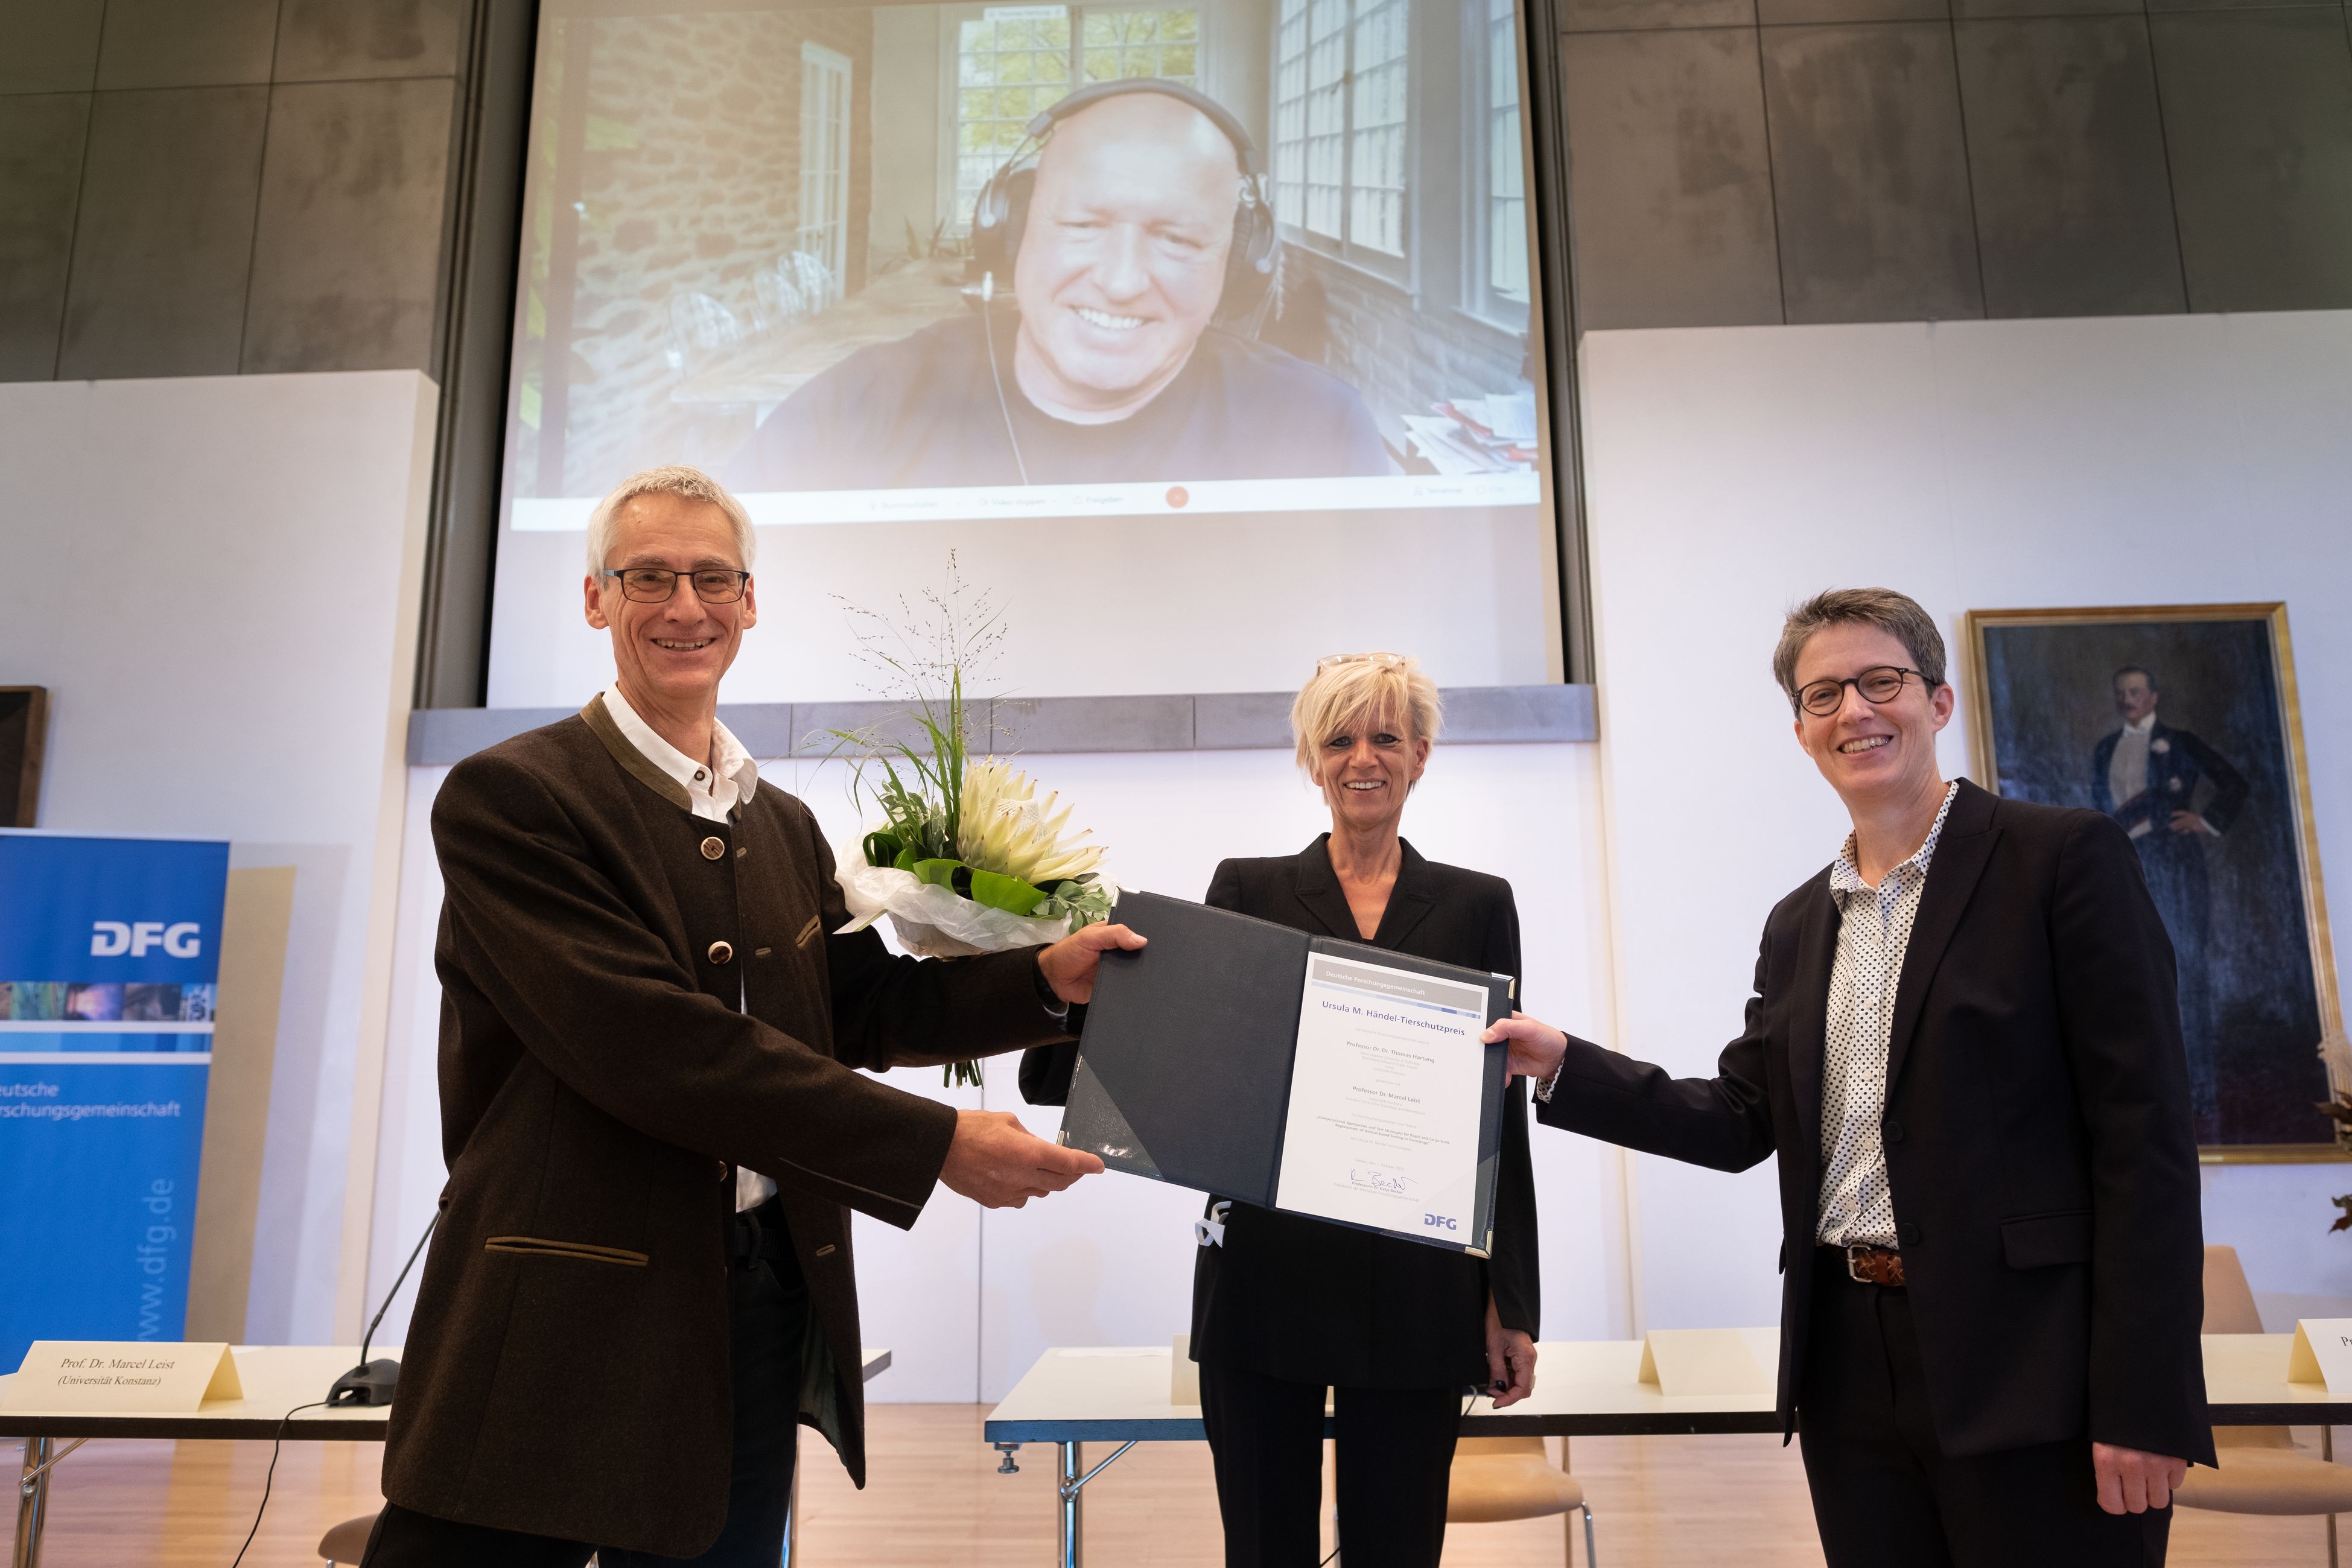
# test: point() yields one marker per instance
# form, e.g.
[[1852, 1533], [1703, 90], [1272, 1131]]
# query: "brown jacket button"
[[721, 951], [714, 847]]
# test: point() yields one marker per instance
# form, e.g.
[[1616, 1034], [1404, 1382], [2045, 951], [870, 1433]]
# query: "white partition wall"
[[216, 578], [1974, 466], [967, 1299]]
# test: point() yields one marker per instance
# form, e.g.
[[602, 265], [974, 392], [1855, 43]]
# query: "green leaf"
[[881, 848], [1010, 893], [938, 873]]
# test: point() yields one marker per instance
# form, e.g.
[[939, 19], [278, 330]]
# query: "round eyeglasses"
[[1878, 685], [655, 584]]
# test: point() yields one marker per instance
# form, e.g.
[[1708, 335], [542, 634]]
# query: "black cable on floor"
[[271, 1475]]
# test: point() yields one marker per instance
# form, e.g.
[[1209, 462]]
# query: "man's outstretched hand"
[[1069, 965], [2132, 1480], [1536, 1047], [999, 1163]]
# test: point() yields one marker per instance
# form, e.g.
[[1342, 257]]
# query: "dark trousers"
[[1885, 1492], [770, 1308], [1395, 1454]]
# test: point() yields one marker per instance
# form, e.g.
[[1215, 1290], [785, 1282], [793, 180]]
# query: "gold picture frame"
[[2008, 651]]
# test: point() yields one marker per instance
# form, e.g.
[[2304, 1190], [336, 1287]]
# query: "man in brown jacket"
[[641, 1283]]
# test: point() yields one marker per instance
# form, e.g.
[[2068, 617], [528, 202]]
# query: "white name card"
[[138, 1377], [1703, 1363], [2322, 1353]]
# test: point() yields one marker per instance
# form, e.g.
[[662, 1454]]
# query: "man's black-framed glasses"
[[1878, 685], [655, 584]]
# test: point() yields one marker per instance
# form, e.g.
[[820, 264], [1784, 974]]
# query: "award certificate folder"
[[1329, 1079]]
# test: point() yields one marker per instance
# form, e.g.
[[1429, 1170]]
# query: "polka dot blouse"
[[1873, 930]]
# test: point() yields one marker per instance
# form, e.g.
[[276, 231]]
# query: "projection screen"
[[1204, 334]]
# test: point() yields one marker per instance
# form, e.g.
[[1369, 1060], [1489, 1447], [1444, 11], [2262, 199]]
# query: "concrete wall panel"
[[1617, 15], [346, 247], [2258, 117], [41, 139], [165, 237], [1670, 179], [49, 45], [351, 40], [2073, 202], [1870, 172], [186, 43]]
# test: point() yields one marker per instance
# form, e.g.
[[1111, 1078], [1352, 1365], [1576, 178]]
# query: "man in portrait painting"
[[2146, 775]]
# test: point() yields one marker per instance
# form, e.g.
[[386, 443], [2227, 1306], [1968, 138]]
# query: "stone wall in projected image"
[[1387, 343], [689, 173]]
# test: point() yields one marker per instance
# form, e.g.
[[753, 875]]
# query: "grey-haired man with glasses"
[[641, 1285], [1964, 1046]]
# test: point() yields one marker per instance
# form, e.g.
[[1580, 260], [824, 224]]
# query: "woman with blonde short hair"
[[1286, 1307]]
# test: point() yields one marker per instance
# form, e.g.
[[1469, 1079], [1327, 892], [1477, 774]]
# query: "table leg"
[[1070, 1467], [2327, 1451], [32, 1503]]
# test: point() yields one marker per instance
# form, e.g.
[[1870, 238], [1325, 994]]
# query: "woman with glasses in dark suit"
[[1286, 1307]]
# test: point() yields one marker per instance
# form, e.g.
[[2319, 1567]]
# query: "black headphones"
[[1001, 212]]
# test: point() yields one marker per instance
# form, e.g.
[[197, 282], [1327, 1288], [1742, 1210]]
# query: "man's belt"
[[1873, 1265]]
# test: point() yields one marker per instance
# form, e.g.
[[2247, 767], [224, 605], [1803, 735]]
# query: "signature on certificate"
[[1379, 1181]]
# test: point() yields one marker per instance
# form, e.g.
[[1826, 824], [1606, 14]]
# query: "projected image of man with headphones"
[[1132, 234]]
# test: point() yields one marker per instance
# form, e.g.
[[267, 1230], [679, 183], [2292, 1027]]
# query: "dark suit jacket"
[[2037, 1133], [1315, 1302], [567, 1370], [2177, 759]]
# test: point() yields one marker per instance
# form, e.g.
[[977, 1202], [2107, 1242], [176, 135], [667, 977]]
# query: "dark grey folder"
[[1185, 1071]]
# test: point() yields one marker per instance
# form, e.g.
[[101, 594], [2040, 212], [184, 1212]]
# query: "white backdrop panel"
[[216, 578], [967, 1299], [1975, 465]]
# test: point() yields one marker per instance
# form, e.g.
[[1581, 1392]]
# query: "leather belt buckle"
[[1869, 1265]]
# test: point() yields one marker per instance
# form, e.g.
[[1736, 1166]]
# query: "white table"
[[276, 1378], [1583, 1388]]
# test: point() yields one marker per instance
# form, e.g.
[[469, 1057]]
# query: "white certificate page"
[[1385, 1096]]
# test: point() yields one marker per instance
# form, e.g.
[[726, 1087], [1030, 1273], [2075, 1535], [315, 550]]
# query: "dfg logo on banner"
[[109, 957]]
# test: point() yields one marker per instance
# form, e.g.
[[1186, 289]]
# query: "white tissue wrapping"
[[931, 921]]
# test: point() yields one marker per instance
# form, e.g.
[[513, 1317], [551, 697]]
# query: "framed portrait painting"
[[2180, 722]]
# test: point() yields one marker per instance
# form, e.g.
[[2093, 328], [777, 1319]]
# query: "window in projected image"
[[948, 262]]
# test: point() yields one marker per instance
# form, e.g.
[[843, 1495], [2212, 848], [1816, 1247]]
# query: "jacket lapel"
[[1960, 857], [633, 762], [1809, 1007], [1410, 900], [1317, 887]]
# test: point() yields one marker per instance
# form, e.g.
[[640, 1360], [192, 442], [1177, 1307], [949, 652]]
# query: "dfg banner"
[[110, 952]]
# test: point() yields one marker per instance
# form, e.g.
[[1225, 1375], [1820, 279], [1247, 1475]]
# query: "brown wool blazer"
[[567, 1369]]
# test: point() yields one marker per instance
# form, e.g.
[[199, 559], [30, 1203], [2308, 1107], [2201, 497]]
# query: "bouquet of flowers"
[[965, 858]]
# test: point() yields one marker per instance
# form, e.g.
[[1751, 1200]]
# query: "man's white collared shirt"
[[2127, 768], [1874, 932], [715, 785], [714, 788]]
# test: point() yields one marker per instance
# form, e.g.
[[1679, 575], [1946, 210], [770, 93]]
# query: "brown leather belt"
[[1873, 1265]]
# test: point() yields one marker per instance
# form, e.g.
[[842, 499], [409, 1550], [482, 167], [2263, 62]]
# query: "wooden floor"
[[937, 1499]]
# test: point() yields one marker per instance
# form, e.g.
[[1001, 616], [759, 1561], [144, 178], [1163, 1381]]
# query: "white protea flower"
[[1006, 829]]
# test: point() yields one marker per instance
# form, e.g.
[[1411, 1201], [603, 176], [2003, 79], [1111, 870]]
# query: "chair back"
[[2230, 1308]]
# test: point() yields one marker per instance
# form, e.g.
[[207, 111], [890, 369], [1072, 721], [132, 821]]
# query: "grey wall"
[[205, 187], [1744, 161]]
